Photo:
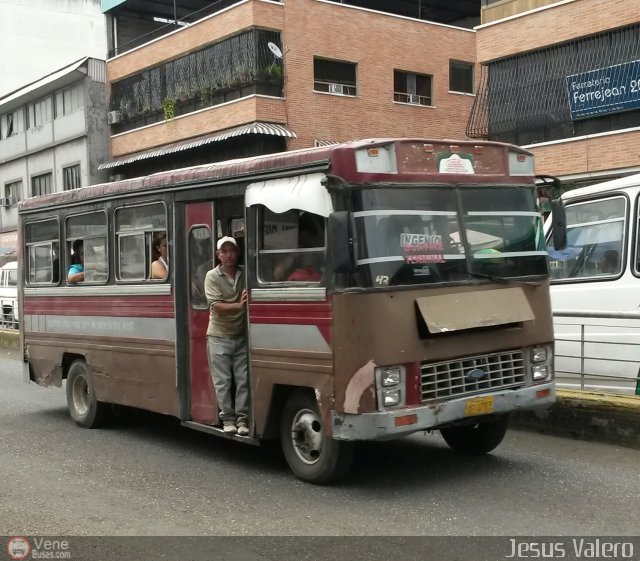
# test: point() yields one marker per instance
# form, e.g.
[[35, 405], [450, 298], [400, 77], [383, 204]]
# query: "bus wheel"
[[476, 439], [84, 408], [311, 454]]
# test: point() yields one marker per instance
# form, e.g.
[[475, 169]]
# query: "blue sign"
[[606, 90]]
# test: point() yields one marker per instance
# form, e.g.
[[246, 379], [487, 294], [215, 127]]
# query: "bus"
[[430, 309], [595, 288]]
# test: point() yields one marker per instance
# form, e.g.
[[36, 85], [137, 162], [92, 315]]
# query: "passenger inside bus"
[[76, 270], [160, 264], [304, 267], [610, 262]]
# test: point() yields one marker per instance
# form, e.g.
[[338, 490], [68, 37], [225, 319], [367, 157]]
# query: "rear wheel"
[[476, 439], [311, 454], [84, 408]]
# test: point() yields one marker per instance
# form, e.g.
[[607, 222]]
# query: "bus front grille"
[[471, 375]]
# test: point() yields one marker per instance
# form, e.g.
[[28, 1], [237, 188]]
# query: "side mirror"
[[341, 242], [559, 224]]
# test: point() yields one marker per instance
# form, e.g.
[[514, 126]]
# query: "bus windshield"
[[409, 236]]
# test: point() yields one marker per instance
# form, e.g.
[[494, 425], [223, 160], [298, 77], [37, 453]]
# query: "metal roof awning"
[[252, 128]]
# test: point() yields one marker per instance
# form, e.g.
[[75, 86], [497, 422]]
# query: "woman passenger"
[[76, 270], [160, 267]]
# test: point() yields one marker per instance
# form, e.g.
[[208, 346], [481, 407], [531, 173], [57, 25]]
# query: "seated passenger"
[[160, 267], [610, 262], [303, 266], [76, 270]]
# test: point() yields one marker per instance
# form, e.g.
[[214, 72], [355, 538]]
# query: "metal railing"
[[595, 351]]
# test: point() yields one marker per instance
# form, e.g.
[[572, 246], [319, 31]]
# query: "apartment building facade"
[[562, 79], [239, 78], [53, 137]]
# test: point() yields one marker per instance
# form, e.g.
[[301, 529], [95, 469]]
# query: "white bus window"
[[91, 228], [595, 241], [42, 252], [136, 229], [291, 247]]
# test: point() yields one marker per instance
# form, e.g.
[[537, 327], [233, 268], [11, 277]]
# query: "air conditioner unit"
[[114, 117], [5, 202], [413, 98], [336, 89]]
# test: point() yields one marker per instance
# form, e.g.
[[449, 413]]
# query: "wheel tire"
[[476, 439], [311, 454], [84, 408]]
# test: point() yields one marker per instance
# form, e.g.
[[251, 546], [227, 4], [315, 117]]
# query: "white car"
[[9, 294]]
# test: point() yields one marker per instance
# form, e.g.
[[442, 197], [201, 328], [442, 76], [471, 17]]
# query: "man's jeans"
[[228, 364]]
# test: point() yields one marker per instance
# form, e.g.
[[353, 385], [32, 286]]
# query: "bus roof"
[[605, 187], [304, 160]]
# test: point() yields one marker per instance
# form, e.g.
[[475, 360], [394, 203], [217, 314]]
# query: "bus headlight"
[[391, 397], [539, 354], [540, 372], [391, 376]]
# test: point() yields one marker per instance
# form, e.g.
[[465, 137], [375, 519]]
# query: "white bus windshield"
[[408, 236]]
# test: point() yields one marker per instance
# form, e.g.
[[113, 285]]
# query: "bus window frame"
[[635, 250], [28, 245], [145, 233], [259, 210], [107, 248], [599, 198]]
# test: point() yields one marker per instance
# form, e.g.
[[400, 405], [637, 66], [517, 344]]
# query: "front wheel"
[[84, 408], [311, 454], [477, 439]]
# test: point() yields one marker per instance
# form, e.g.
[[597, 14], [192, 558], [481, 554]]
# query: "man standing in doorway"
[[226, 294]]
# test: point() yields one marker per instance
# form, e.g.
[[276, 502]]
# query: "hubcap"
[[80, 393], [306, 435]]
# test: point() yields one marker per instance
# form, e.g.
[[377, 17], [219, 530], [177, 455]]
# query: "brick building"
[[238, 78], [562, 78]]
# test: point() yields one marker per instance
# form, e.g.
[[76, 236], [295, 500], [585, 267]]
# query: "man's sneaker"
[[243, 429], [229, 426]]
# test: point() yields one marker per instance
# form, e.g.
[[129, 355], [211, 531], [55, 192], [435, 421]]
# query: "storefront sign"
[[606, 90]]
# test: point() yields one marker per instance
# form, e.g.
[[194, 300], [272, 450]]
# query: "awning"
[[252, 128]]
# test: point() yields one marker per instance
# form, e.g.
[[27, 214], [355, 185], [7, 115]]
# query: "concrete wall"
[[44, 35]]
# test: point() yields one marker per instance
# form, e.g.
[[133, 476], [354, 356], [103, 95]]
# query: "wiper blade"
[[504, 280]]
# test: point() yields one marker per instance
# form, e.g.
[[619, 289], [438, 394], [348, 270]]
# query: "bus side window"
[[42, 263], [91, 228]]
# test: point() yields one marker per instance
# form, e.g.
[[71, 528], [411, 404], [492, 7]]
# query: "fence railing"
[[9, 313], [598, 351]]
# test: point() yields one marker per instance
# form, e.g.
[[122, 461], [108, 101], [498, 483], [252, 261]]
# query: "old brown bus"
[[420, 302]]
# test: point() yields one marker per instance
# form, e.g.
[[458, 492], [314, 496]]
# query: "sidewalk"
[[582, 415]]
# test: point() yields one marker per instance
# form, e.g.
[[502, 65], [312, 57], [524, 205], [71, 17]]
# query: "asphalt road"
[[147, 475]]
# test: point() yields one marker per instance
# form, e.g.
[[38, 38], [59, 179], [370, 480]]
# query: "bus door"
[[200, 236]]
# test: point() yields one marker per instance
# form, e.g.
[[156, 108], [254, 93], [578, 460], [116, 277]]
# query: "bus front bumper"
[[396, 423]]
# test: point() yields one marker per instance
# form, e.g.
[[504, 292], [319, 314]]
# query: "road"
[[147, 475]]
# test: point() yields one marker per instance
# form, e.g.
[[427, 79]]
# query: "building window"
[[12, 193], [69, 100], [39, 112], [334, 76], [71, 177], [412, 88], [41, 185], [12, 123], [460, 76]]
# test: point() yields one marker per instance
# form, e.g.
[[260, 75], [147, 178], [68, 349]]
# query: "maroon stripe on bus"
[[124, 306]]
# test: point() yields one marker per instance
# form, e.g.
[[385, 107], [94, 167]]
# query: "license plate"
[[478, 406]]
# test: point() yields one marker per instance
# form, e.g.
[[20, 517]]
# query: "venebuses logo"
[[18, 548]]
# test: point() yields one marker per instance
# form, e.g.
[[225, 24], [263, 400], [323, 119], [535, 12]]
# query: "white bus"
[[595, 290], [9, 295]]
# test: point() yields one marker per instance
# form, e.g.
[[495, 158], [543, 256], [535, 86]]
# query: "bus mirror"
[[559, 224], [341, 246]]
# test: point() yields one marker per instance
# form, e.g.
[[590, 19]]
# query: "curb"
[[9, 339], [582, 415], [590, 416]]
